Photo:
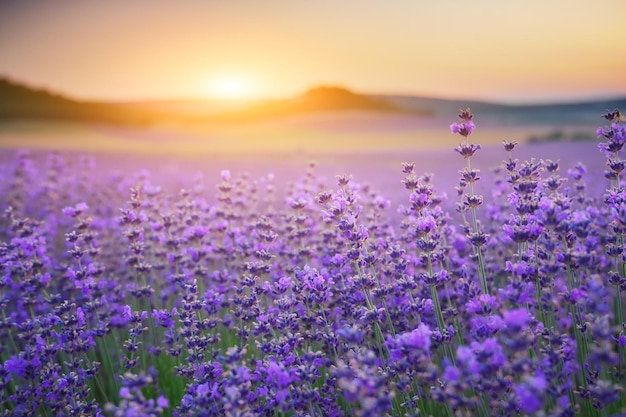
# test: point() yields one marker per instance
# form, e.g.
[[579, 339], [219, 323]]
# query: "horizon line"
[[543, 101]]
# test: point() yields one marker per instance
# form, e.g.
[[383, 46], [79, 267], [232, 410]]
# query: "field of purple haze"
[[355, 286]]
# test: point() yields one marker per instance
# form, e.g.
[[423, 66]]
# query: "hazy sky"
[[506, 50]]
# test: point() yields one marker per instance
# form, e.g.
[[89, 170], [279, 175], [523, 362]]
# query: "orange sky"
[[509, 51]]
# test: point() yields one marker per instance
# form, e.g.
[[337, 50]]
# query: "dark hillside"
[[20, 102], [319, 99]]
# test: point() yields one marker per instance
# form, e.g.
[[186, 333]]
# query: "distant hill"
[[578, 113], [20, 102], [319, 99]]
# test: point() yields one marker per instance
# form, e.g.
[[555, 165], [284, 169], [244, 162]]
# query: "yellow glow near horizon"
[[489, 49], [232, 87]]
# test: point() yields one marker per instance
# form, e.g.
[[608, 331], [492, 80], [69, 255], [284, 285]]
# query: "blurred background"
[[359, 86]]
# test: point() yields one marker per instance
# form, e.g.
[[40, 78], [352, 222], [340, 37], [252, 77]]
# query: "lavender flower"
[[316, 298]]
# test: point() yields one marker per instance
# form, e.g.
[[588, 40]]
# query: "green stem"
[[477, 249]]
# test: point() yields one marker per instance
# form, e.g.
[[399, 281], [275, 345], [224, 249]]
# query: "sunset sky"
[[508, 51]]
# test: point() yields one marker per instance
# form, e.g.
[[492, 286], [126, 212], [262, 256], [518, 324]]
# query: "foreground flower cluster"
[[126, 300]]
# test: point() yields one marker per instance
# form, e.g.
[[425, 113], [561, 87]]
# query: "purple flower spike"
[[516, 320], [465, 115], [162, 402], [464, 129], [419, 338], [530, 394]]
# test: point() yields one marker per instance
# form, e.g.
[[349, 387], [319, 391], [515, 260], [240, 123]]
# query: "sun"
[[231, 87]]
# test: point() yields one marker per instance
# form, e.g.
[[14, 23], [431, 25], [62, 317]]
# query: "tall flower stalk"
[[470, 200], [614, 139]]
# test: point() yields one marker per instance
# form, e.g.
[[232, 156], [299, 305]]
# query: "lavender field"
[[481, 282]]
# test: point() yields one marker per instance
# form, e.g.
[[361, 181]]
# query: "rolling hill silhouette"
[[319, 99], [21, 102], [18, 101]]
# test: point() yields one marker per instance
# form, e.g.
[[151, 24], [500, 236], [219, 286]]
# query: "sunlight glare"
[[230, 87]]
